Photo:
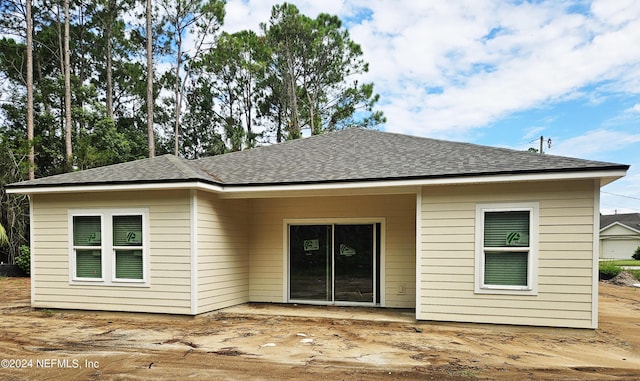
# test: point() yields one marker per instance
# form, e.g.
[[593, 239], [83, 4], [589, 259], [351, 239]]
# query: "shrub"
[[636, 255], [23, 260], [608, 270]]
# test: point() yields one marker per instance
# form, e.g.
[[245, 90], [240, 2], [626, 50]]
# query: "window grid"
[[506, 248], [113, 254]]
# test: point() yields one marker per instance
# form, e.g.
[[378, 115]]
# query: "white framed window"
[[109, 247], [506, 259]]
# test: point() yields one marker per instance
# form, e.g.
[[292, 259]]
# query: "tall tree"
[[285, 34], [110, 20], [318, 65], [67, 89], [201, 19], [150, 98], [31, 155], [226, 92]]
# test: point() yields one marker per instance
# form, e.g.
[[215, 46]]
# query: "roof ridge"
[[183, 165]]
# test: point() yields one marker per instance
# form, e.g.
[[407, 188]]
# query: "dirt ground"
[[80, 345]]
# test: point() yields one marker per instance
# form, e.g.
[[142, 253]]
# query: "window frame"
[[115, 248], [532, 260], [108, 249], [74, 248]]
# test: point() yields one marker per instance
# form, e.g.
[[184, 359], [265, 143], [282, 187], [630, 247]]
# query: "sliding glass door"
[[333, 263], [310, 262]]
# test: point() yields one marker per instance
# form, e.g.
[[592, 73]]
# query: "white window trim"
[[73, 248], [108, 250], [532, 270]]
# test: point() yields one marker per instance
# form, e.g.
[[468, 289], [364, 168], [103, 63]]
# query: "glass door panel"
[[310, 262], [353, 253]]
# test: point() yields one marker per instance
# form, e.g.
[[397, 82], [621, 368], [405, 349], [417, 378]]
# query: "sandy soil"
[[79, 345]]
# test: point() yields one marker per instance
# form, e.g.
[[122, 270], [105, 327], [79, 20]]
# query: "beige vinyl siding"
[[267, 251], [223, 252], [169, 253], [565, 255]]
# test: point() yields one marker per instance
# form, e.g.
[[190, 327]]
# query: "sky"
[[500, 73]]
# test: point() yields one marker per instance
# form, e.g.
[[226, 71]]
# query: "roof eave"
[[258, 190], [141, 185]]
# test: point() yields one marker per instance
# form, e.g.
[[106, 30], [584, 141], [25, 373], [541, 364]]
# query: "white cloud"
[[248, 14], [634, 109], [538, 54], [595, 142]]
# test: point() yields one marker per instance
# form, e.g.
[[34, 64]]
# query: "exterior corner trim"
[[194, 252], [596, 255], [418, 239]]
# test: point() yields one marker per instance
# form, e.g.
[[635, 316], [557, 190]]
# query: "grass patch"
[[625, 262]]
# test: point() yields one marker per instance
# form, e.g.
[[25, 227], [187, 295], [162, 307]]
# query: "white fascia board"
[[271, 190], [118, 187], [276, 190]]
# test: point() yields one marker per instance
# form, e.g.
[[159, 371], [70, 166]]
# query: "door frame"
[[333, 221]]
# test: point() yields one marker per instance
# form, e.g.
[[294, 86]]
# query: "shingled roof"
[[354, 154], [631, 220]]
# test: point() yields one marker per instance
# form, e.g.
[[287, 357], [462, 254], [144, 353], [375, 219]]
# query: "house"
[[619, 235], [458, 232]]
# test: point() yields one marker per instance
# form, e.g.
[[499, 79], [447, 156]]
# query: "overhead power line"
[[542, 143], [621, 195]]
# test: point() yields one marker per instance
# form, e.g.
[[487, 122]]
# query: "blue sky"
[[501, 73]]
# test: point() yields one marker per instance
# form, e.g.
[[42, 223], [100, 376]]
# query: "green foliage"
[[3, 236], [608, 270], [23, 260], [636, 254], [14, 209], [310, 74], [635, 273]]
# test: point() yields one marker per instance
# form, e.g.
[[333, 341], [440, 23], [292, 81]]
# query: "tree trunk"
[[178, 91], [60, 61], [150, 100], [294, 124], [279, 126], [110, 20], [67, 89], [247, 112], [294, 127], [60, 43], [312, 125], [32, 162]]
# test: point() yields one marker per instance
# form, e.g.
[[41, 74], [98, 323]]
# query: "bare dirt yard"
[[227, 345]]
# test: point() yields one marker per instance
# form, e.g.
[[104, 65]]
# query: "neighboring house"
[[460, 232], [619, 235]]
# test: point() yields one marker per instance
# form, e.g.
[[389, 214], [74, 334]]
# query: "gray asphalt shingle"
[[631, 220], [350, 155]]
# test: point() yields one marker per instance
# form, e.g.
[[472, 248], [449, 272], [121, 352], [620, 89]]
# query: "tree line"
[[87, 84]]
